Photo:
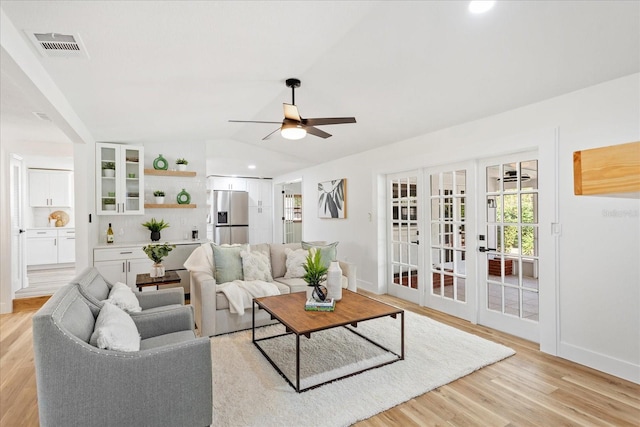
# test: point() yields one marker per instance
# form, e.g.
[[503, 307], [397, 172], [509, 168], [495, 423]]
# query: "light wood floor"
[[528, 389]]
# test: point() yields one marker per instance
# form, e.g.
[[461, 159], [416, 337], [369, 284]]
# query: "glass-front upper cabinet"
[[119, 179]]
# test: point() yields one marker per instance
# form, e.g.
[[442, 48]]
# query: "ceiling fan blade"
[[270, 135], [291, 112], [317, 132], [252, 121], [328, 121]]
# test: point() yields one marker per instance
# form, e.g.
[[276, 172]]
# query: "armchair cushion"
[[115, 330], [123, 297]]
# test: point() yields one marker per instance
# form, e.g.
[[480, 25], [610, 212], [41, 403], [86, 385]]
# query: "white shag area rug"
[[248, 391]]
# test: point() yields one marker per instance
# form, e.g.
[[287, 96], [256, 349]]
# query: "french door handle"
[[483, 249]]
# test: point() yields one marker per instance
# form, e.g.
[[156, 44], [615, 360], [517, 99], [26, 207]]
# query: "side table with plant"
[[315, 274], [155, 227], [157, 253]]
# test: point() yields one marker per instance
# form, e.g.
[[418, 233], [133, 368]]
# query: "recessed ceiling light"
[[251, 166], [481, 6]]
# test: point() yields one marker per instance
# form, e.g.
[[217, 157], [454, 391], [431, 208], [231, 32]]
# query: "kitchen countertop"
[[145, 243], [66, 227]]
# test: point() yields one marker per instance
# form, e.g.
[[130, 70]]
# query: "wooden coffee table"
[[353, 308]]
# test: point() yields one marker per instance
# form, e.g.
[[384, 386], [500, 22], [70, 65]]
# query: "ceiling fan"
[[293, 126]]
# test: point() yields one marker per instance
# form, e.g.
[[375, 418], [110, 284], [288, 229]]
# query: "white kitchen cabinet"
[[66, 246], [42, 247], [55, 246], [49, 188], [260, 192], [227, 183], [260, 224], [121, 264], [122, 193]]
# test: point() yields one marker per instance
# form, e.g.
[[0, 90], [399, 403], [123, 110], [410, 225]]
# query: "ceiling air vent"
[[56, 45]]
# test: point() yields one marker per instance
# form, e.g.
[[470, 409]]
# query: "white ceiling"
[[178, 71]]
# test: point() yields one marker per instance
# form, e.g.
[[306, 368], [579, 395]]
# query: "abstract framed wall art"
[[332, 200]]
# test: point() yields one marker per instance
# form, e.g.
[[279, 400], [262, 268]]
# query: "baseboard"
[[601, 362], [29, 304]]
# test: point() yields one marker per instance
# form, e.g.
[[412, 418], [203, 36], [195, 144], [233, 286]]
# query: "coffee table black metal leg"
[[402, 335], [253, 322], [298, 363]]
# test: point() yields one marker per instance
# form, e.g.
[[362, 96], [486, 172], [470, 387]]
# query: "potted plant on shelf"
[[159, 195], [182, 164], [109, 204], [108, 169], [315, 274], [155, 227], [157, 253]]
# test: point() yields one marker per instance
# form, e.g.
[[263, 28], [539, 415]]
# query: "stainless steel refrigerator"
[[230, 217]]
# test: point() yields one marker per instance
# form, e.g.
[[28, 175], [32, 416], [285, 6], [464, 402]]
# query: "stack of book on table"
[[327, 305]]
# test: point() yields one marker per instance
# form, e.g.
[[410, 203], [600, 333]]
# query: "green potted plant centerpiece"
[[108, 169], [159, 195], [155, 227], [182, 164], [315, 274], [157, 253]]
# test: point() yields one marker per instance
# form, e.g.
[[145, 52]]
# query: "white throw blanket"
[[240, 293]]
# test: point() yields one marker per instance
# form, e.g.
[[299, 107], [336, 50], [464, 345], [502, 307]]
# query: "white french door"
[[403, 229], [451, 265], [508, 243]]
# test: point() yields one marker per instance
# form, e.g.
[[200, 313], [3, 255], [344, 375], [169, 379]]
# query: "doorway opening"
[[291, 212]]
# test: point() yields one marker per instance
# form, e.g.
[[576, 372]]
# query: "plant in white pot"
[[157, 253], [182, 164], [159, 196], [109, 204], [108, 169]]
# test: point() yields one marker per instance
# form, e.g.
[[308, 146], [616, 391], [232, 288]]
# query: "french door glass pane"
[[512, 229], [448, 190]]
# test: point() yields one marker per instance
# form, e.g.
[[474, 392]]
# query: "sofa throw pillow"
[[122, 296], [295, 261], [327, 252], [115, 330], [256, 266], [228, 262]]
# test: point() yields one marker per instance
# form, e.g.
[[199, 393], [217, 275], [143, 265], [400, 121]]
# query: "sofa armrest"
[[349, 271], [160, 297], [203, 299], [164, 320]]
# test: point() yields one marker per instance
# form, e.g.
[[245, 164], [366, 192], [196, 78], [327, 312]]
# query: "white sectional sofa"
[[213, 314]]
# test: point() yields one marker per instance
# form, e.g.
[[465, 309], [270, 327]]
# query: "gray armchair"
[[166, 383]]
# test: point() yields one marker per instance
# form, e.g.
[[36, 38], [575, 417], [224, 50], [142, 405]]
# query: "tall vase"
[[334, 281]]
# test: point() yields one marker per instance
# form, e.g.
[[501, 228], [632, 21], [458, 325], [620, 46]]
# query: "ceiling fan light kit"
[[292, 131], [293, 126]]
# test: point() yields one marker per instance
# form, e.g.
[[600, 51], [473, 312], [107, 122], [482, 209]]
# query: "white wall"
[[598, 287]]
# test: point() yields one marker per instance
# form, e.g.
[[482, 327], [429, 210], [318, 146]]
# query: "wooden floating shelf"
[[613, 170], [160, 172], [169, 206]]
